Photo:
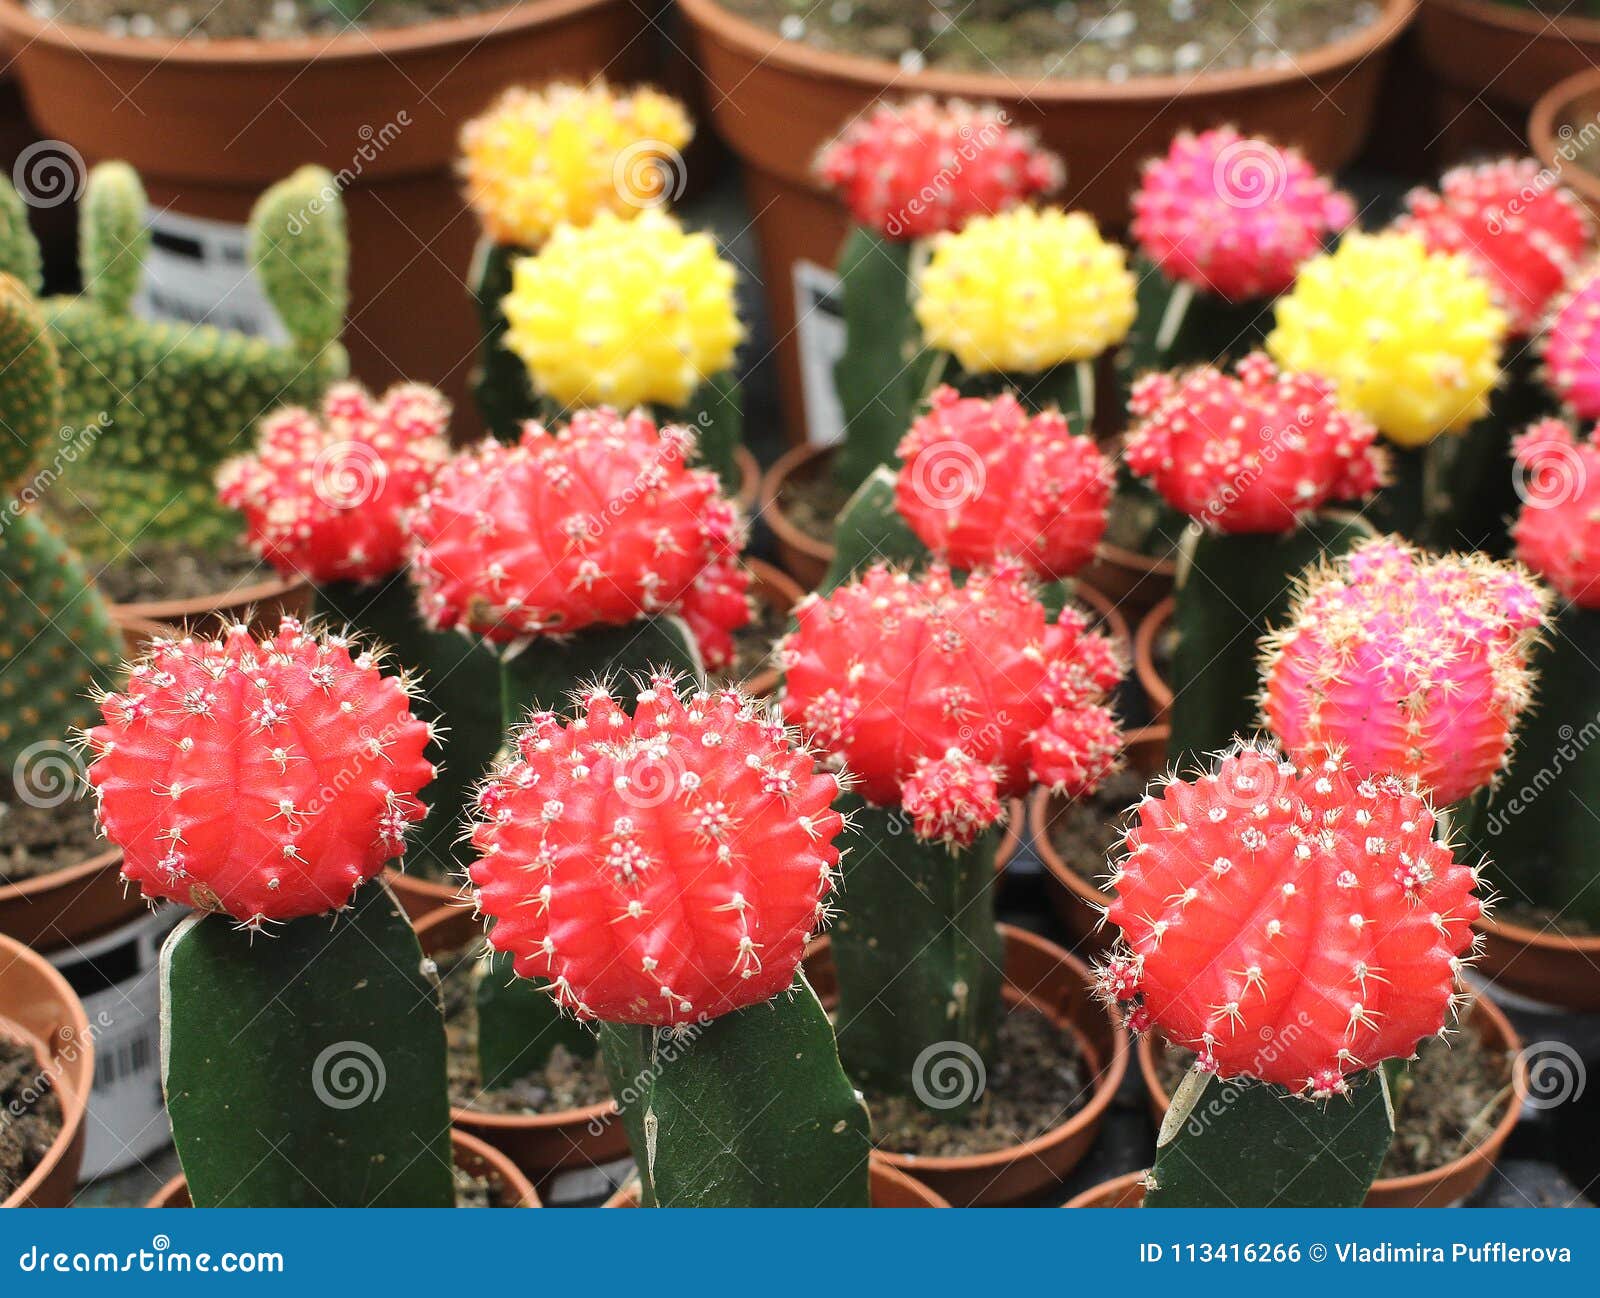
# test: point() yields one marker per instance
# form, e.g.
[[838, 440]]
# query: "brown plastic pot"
[[1492, 62], [1441, 1186], [1078, 904], [508, 1186], [209, 124], [1156, 689], [65, 906], [1561, 114], [776, 102], [538, 1144], [262, 603], [1043, 977], [41, 1011], [1544, 966], [778, 591], [887, 1188]]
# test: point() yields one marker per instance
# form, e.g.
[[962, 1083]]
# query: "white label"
[[819, 334], [199, 272], [116, 975]]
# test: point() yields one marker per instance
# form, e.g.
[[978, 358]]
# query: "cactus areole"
[[945, 700], [657, 868], [1295, 925], [263, 778]]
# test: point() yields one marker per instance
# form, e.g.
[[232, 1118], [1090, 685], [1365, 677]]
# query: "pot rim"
[[1495, 1025], [246, 52], [1105, 1189], [626, 1195], [784, 468], [176, 612], [66, 877], [1144, 664], [1552, 104], [74, 1100], [764, 47], [1555, 943], [511, 1176], [1512, 21], [778, 590], [1143, 564]]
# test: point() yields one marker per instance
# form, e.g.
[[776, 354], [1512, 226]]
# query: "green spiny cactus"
[[307, 1069], [19, 250], [57, 641], [173, 400]]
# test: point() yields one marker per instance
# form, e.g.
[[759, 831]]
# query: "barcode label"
[[118, 1061], [819, 337], [198, 272]]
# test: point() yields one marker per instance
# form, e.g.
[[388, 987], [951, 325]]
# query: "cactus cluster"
[[923, 167], [1524, 235], [266, 779], [982, 480], [1257, 451], [171, 401], [57, 641], [1234, 216]]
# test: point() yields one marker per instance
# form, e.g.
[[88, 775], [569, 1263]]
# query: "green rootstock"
[[519, 1026], [870, 530], [1231, 590], [1537, 826], [306, 1067], [750, 1110], [1250, 1145], [1179, 325], [918, 957], [457, 677]]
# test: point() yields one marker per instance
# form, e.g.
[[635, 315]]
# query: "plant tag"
[[819, 334], [198, 271]]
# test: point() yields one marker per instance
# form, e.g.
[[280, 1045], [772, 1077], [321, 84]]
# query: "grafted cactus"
[[173, 400]]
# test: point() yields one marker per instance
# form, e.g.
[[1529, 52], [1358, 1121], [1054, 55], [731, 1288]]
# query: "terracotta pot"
[[805, 558], [1120, 1192], [66, 906], [1545, 966], [44, 1013], [1042, 976], [1442, 1186], [749, 480], [509, 1187], [1562, 115], [1075, 900], [1134, 582], [1492, 62], [263, 602], [778, 591], [209, 124], [887, 1188], [776, 102], [1156, 689], [540, 1144]]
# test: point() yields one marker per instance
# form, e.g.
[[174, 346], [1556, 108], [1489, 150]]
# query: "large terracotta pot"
[[1441, 1187], [509, 1187], [262, 603], [887, 1188], [1542, 965], [39, 1009], [1041, 975], [1492, 62], [777, 101], [209, 124], [538, 1144], [1565, 126]]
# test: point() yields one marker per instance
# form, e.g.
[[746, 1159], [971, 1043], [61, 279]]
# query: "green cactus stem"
[[1178, 325], [454, 673], [918, 956], [1536, 826], [307, 1069], [519, 1026], [1231, 589], [168, 402], [750, 1110], [884, 371], [1237, 1144], [870, 530], [19, 250]]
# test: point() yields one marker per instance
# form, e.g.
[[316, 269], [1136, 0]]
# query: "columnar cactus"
[[907, 172], [57, 641], [265, 782], [1226, 220], [1523, 234], [1296, 927], [943, 700], [1025, 292], [1254, 460], [1408, 664], [172, 400], [662, 872], [325, 496], [1533, 821]]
